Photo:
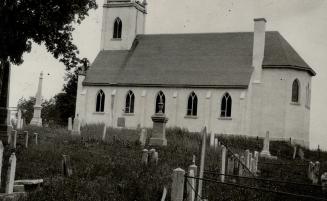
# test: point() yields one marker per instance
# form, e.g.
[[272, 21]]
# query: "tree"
[[27, 108], [48, 22]]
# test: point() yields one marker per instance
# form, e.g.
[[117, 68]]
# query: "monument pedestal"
[[159, 130], [37, 120]]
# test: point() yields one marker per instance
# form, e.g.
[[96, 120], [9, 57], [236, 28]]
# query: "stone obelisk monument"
[[37, 120]]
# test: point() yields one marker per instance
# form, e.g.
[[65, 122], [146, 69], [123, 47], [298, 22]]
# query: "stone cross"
[[70, 124], [19, 119], [37, 120], [145, 156], [11, 174], [1, 158], [26, 139], [177, 187], [76, 126], [66, 166]]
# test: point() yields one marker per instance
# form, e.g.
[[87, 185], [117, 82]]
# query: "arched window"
[[226, 106], [192, 105], [129, 104], [295, 91], [117, 28], [160, 99], [100, 102]]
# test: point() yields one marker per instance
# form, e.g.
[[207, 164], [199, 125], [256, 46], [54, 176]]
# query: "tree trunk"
[[4, 98]]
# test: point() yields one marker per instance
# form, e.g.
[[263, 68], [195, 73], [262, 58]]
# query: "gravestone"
[[223, 163], [143, 137], [36, 138], [145, 157], [256, 158], [266, 143], [241, 166], [250, 162], [19, 119], [315, 173], [11, 174], [13, 139], [104, 132], [247, 158], [155, 158], [159, 128], [177, 187], [310, 170], [70, 124], [66, 166], [212, 140], [37, 120], [301, 154], [216, 143], [230, 165], [193, 167], [22, 123], [76, 126]]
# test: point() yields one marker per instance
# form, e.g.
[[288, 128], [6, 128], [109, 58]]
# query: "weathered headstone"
[[236, 164], [315, 174], [66, 166], [36, 138], [143, 136], [253, 165], [11, 174], [310, 170], [1, 158], [230, 165], [256, 157], [247, 158], [19, 119], [177, 188], [13, 139], [155, 158], [250, 161], [145, 157], [159, 128], [324, 182], [76, 126], [265, 151], [70, 124], [216, 143], [212, 140], [223, 163]]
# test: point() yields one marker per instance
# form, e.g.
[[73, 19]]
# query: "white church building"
[[242, 83]]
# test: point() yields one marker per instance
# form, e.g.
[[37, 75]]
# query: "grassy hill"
[[112, 170]]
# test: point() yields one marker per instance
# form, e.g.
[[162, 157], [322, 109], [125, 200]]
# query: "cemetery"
[[100, 163]]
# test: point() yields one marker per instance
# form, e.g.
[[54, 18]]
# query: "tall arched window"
[[100, 101], [295, 91], [226, 106], [160, 99], [192, 105], [118, 25], [129, 104]]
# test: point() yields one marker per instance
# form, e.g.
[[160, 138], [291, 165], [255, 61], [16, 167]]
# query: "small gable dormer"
[[122, 21]]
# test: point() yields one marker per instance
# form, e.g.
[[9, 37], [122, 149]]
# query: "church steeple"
[[122, 20]]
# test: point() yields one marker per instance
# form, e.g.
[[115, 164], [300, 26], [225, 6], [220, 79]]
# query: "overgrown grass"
[[112, 170]]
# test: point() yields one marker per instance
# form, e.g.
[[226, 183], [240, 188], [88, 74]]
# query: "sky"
[[303, 23]]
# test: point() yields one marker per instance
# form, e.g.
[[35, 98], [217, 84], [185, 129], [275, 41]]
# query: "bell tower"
[[122, 20]]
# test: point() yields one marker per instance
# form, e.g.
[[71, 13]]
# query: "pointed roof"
[[209, 60]]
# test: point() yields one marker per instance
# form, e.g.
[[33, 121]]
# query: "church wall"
[[175, 108], [282, 118]]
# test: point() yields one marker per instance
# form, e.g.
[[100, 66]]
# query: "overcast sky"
[[303, 23]]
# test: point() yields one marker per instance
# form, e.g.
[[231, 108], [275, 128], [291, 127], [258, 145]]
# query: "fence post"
[[11, 174], [203, 153], [26, 139], [191, 186], [1, 158], [177, 188], [223, 163]]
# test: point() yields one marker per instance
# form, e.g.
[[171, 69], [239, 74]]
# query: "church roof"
[[191, 60]]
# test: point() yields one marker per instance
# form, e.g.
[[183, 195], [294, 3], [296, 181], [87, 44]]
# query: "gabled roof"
[[191, 60]]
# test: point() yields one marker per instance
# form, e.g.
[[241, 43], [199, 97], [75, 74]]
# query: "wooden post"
[[203, 153], [26, 139], [177, 188], [66, 166], [11, 174], [1, 158], [35, 136], [191, 186], [223, 163]]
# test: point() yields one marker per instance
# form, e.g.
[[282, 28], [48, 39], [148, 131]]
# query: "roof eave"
[[295, 67]]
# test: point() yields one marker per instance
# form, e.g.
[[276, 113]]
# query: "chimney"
[[259, 36]]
